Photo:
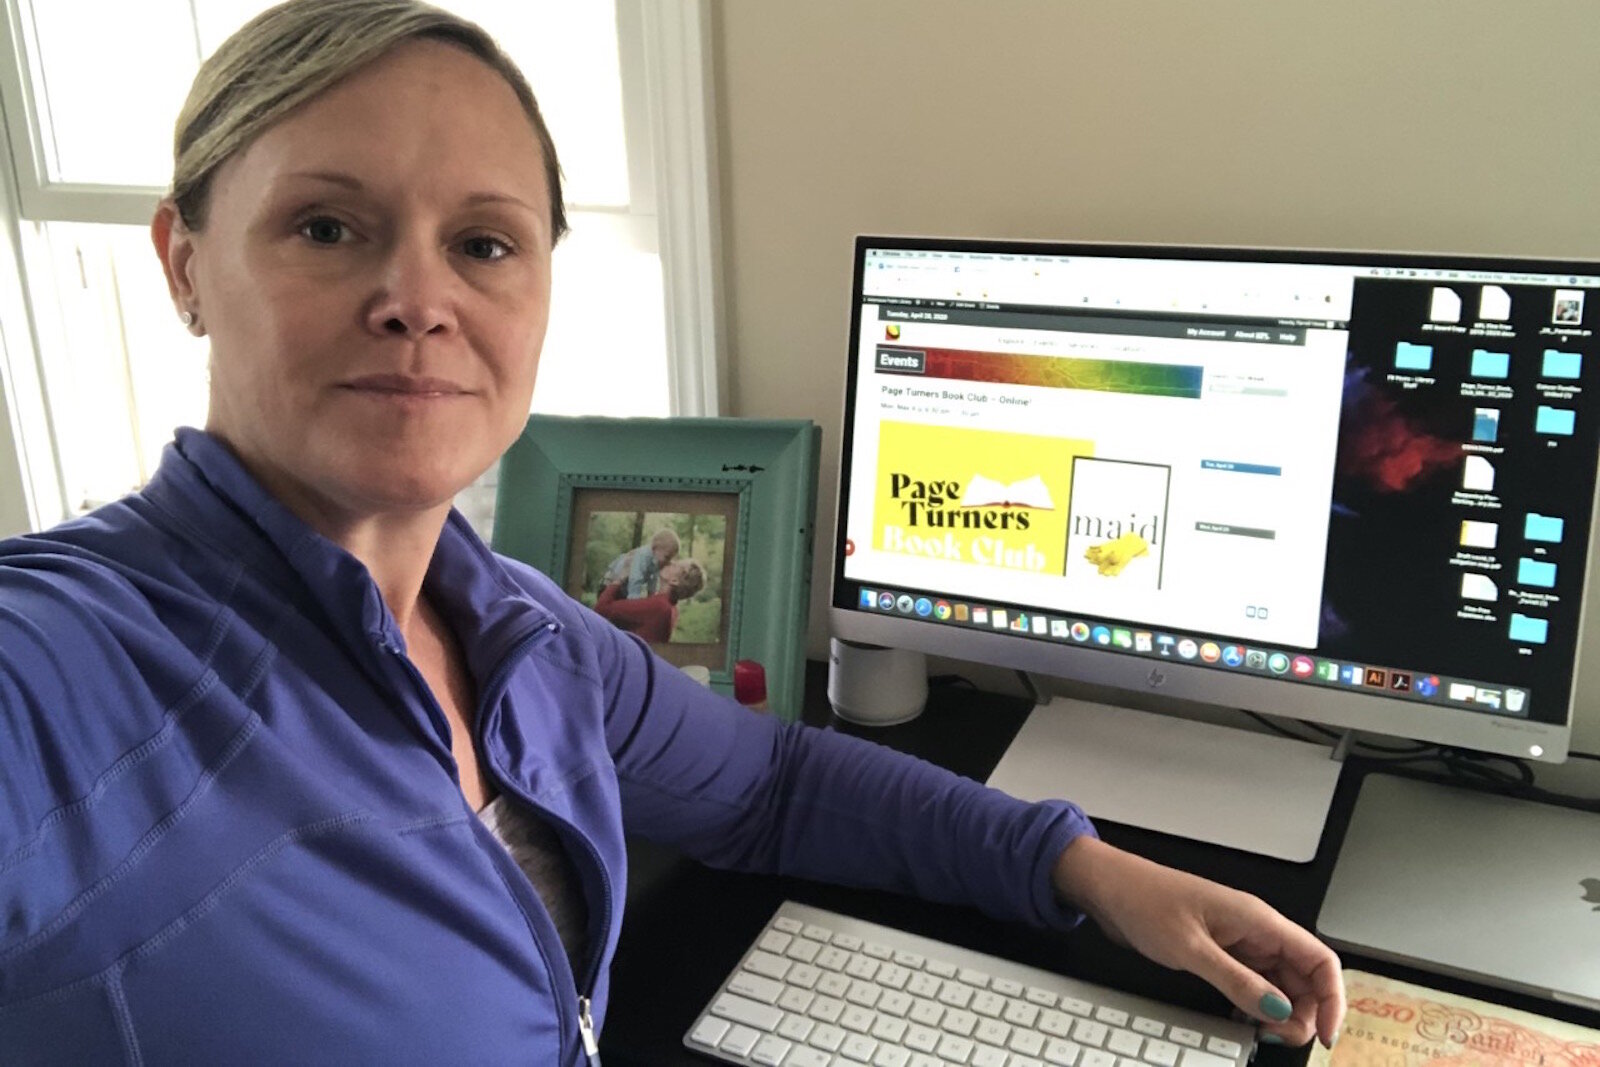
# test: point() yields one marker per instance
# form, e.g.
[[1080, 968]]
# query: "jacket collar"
[[204, 487]]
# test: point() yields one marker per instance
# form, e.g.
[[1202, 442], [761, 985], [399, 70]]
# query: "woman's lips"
[[405, 386]]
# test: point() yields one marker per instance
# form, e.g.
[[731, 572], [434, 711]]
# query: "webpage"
[[1146, 457]]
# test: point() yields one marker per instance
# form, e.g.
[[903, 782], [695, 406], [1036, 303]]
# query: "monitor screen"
[[1353, 488]]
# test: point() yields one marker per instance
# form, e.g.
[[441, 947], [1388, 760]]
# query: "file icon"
[[1494, 303], [1554, 421], [1476, 534], [1536, 527], [1486, 364], [1408, 356], [1529, 630], [1478, 475], [1445, 305], [1536, 572], [1478, 587], [1485, 424], [1562, 364]]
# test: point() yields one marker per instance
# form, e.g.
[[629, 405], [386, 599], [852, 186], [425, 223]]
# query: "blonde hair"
[[691, 577], [665, 540], [289, 54]]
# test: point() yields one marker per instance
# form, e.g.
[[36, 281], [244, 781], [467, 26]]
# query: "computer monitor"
[[1355, 489]]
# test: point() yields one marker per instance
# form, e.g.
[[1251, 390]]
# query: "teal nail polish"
[[1270, 1038], [1275, 1007]]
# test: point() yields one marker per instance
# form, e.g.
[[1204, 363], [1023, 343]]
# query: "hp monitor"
[[1355, 489]]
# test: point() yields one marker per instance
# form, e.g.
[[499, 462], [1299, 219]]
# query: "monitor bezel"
[[1343, 709]]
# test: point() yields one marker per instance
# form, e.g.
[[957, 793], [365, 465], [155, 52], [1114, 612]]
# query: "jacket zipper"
[[583, 986]]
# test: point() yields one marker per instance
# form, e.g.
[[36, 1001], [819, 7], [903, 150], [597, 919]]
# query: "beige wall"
[[1464, 126]]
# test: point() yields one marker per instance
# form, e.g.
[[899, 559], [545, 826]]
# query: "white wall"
[[1463, 126]]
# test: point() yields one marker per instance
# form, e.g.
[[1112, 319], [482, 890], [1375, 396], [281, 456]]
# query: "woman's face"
[[374, 274]]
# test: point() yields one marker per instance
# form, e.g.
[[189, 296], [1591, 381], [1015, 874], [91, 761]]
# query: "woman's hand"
[[1273, 970]]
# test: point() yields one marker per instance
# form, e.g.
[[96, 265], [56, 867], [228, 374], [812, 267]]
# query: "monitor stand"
[[1226, 786]]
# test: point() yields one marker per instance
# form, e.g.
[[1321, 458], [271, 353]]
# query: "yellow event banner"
[[974, 496]]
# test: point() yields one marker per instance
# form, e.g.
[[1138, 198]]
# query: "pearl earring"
[[187, 318]]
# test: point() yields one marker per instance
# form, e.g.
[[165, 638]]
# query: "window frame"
[[664, 54]]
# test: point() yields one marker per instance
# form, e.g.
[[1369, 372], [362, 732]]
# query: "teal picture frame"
[[756, 479]]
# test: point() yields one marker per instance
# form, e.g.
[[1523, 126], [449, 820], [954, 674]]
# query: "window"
[[91, 390]]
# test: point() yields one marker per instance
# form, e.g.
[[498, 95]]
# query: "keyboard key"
[[893, 976], [1056, 1024], [1125, 1042], [1179, 1035], [819, 933], [1193, 1057], [910, 959], [954, 1048], [921, 1038], [1076, 1006], [956, 995], [787, 925], [796, 1000], [832, 958], [889, 1056], [924, 985], [1097, 1057], [1085, 1032], [1026, 1061], [770, 1051], [985, 1056], [1223, 1047], [1149, 1027], [991, 1032], [807, 1057], [803, 975], [709, 1031], [827, 1036], [877, 950], [858, 1047], [833, 985], [1062, 1053], [740, 1010], [740, 1040], [1027, 1042], [863, 967], [1111, 1016], [766, 964], [959, 1022], [796, 1027], [1161, 1053], [895, 1003], [1006, 988], [989, 1004], [889, 1029], [973, 978], [863, 993], [774, 941], [756, 987], [848, 943], [941, 968], [926, 1012], [1042, 997], [826, 1010], [857, 1019], [803, 950], [1021, 1013]]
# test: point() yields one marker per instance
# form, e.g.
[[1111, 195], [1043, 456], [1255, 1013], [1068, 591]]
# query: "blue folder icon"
[[1486, 364], [1562, 364], [1538, 527], [1536, 572], [1408, 356], [1529, 630], [1554, 420]]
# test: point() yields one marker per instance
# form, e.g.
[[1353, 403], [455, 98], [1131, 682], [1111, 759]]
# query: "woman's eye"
[[323, 231], [485, 247]]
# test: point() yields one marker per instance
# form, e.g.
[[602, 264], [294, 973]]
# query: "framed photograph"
[[695, 534]]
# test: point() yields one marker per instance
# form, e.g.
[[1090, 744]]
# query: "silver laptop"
[[1497, 890]]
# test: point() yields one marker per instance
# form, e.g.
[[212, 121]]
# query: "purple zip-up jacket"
[[231, 829]]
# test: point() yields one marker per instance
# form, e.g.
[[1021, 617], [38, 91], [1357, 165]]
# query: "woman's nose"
[[416, 292]]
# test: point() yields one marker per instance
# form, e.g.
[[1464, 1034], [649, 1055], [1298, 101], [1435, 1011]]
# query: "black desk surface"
[[686, 926]]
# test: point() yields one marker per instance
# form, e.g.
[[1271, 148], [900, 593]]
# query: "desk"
[[686, 926]]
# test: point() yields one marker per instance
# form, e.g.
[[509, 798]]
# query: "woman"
[[276, 724]]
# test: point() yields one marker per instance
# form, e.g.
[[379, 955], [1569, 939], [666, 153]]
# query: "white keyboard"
[[819, 989]]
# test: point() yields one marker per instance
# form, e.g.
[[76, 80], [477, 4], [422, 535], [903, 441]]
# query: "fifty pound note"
[[1396, 1024]]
